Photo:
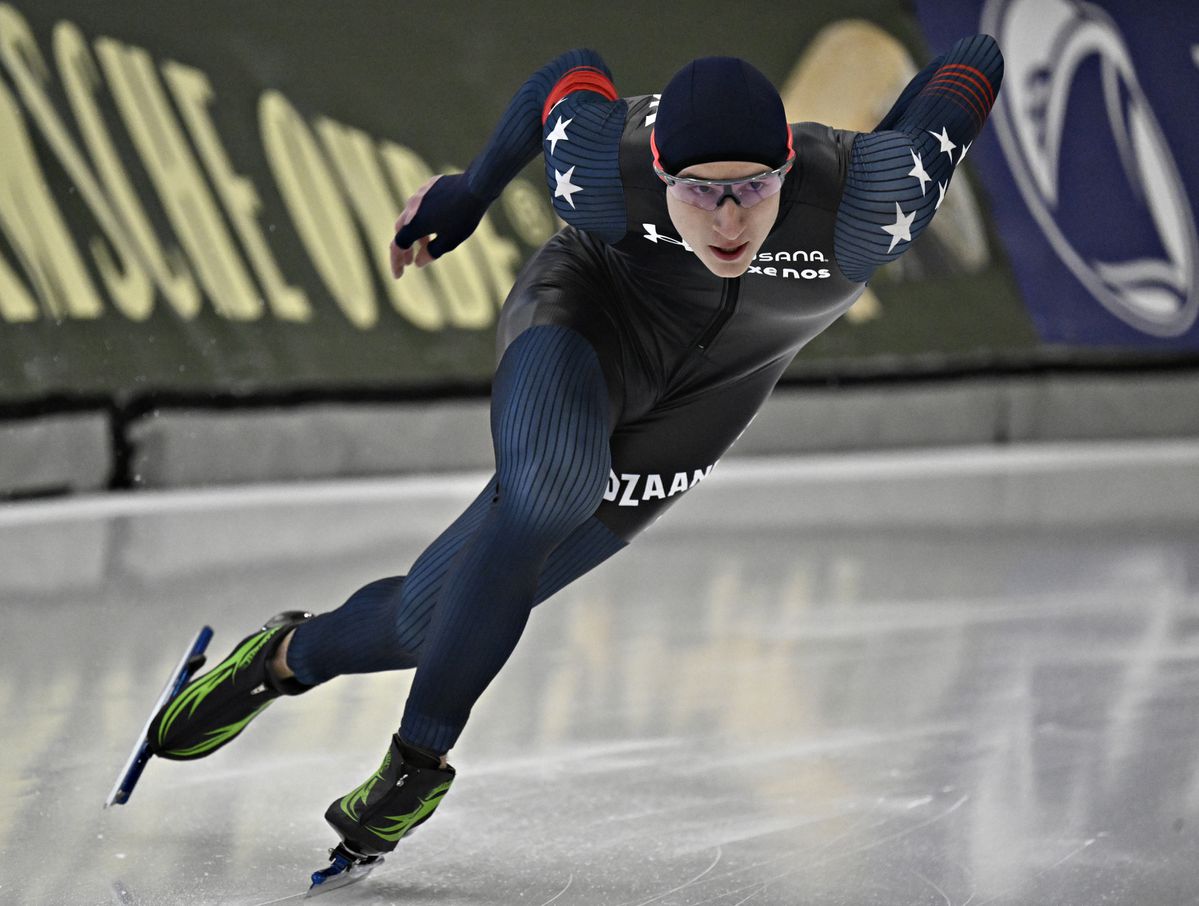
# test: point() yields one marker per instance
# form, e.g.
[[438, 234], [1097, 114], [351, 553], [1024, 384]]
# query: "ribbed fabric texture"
[[582, 163], [516, 140], [379, 628], [898, 174], [462, 608]]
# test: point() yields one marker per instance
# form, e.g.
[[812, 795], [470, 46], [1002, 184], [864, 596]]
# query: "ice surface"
[[960, 678]]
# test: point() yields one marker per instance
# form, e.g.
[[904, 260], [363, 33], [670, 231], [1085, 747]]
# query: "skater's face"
[[726, 239]]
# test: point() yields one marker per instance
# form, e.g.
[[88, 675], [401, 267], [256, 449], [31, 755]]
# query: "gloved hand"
[[444, 206]]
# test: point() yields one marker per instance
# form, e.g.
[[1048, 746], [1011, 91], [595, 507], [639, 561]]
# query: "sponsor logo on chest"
[[799, 264]]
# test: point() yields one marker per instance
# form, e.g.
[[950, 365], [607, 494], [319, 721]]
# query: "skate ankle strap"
[[288, 620], [289, 686], [417, 756]]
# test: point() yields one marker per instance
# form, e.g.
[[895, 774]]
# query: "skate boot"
[[373, 818], [213, 709]]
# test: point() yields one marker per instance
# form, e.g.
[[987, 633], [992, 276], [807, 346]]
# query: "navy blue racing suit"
[[627, 368]]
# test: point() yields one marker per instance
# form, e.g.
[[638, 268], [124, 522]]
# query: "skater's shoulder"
[[582, 140]]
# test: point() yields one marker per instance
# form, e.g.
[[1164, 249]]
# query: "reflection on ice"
[[976, 683]]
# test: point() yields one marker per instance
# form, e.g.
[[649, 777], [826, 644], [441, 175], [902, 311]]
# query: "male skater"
[[708, 241]]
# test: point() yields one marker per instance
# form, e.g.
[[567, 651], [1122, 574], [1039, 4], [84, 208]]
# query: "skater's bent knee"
[[547, 497]]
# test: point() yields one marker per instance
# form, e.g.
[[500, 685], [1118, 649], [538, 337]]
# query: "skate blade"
[[189, 664], [341, 873]]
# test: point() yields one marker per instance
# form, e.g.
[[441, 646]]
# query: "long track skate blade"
[[341, 873], [189, 664]]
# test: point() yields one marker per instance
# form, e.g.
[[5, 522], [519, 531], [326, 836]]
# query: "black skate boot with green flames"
[[213, 709], [373, 818]]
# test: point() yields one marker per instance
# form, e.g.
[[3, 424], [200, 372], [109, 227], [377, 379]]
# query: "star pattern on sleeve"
[[558, 133], [901, 229], [946, 145], [580, 146], [921, 142], [918, 170], [565, 188]]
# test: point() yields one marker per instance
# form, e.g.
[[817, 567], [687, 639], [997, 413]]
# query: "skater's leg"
[[381, 627], [550, 431], [363, 635]]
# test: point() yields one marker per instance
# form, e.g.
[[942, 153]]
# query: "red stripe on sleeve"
[[978, 88], [979, 77], [581, 78], [949, 83], [968, 103]]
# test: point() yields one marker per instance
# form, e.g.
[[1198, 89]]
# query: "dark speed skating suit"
[[626, 367]]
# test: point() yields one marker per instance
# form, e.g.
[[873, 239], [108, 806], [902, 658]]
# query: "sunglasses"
[[709, 194]]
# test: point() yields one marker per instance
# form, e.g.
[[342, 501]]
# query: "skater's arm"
[[899, 173], [450, 207]]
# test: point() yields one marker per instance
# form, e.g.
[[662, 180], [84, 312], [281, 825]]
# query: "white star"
[[558, 133], [941, 197], [901, 228], [565, 188], [965, 148], [946, 145], [918, 171]]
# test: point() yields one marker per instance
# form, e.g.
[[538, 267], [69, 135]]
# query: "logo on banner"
[[1050, 48]]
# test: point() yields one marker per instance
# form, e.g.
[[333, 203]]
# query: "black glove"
[[449, 209]]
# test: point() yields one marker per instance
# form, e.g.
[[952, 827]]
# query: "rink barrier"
[[58, 446], [71, 545], [176, 441]]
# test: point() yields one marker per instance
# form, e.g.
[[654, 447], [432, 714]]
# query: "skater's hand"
[[418, 254], [444, 207]]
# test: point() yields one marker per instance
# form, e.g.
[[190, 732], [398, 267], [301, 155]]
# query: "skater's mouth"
[[728, 254]]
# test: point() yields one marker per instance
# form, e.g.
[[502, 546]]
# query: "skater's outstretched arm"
[[898, 174], [451, 206]]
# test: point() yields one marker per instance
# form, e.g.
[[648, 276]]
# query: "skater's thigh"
[[549, 423]]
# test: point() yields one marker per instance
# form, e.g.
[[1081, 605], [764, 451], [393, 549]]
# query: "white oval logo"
[[1045, 44]]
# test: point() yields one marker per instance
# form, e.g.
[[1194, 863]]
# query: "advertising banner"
[[196, 198], [1094, 177]]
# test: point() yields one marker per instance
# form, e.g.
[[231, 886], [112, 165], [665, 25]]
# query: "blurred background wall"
[[196, 201]]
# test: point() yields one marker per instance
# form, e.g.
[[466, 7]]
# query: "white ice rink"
[[947, 679]]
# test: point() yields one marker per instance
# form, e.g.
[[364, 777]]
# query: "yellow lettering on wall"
[[325, 225], [35, 228], [496, 257], [466, 296], [193, 93], [353, 154], [16, 304], [529, 211], [25, 63], [169, 270], [178, 180]]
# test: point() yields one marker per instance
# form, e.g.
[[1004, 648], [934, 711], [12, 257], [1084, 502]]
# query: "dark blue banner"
[[1092, 162]]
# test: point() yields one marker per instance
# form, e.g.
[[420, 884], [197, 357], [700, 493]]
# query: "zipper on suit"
[[728, 305]]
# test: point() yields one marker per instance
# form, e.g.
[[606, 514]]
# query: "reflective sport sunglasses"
[[709, 194]]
